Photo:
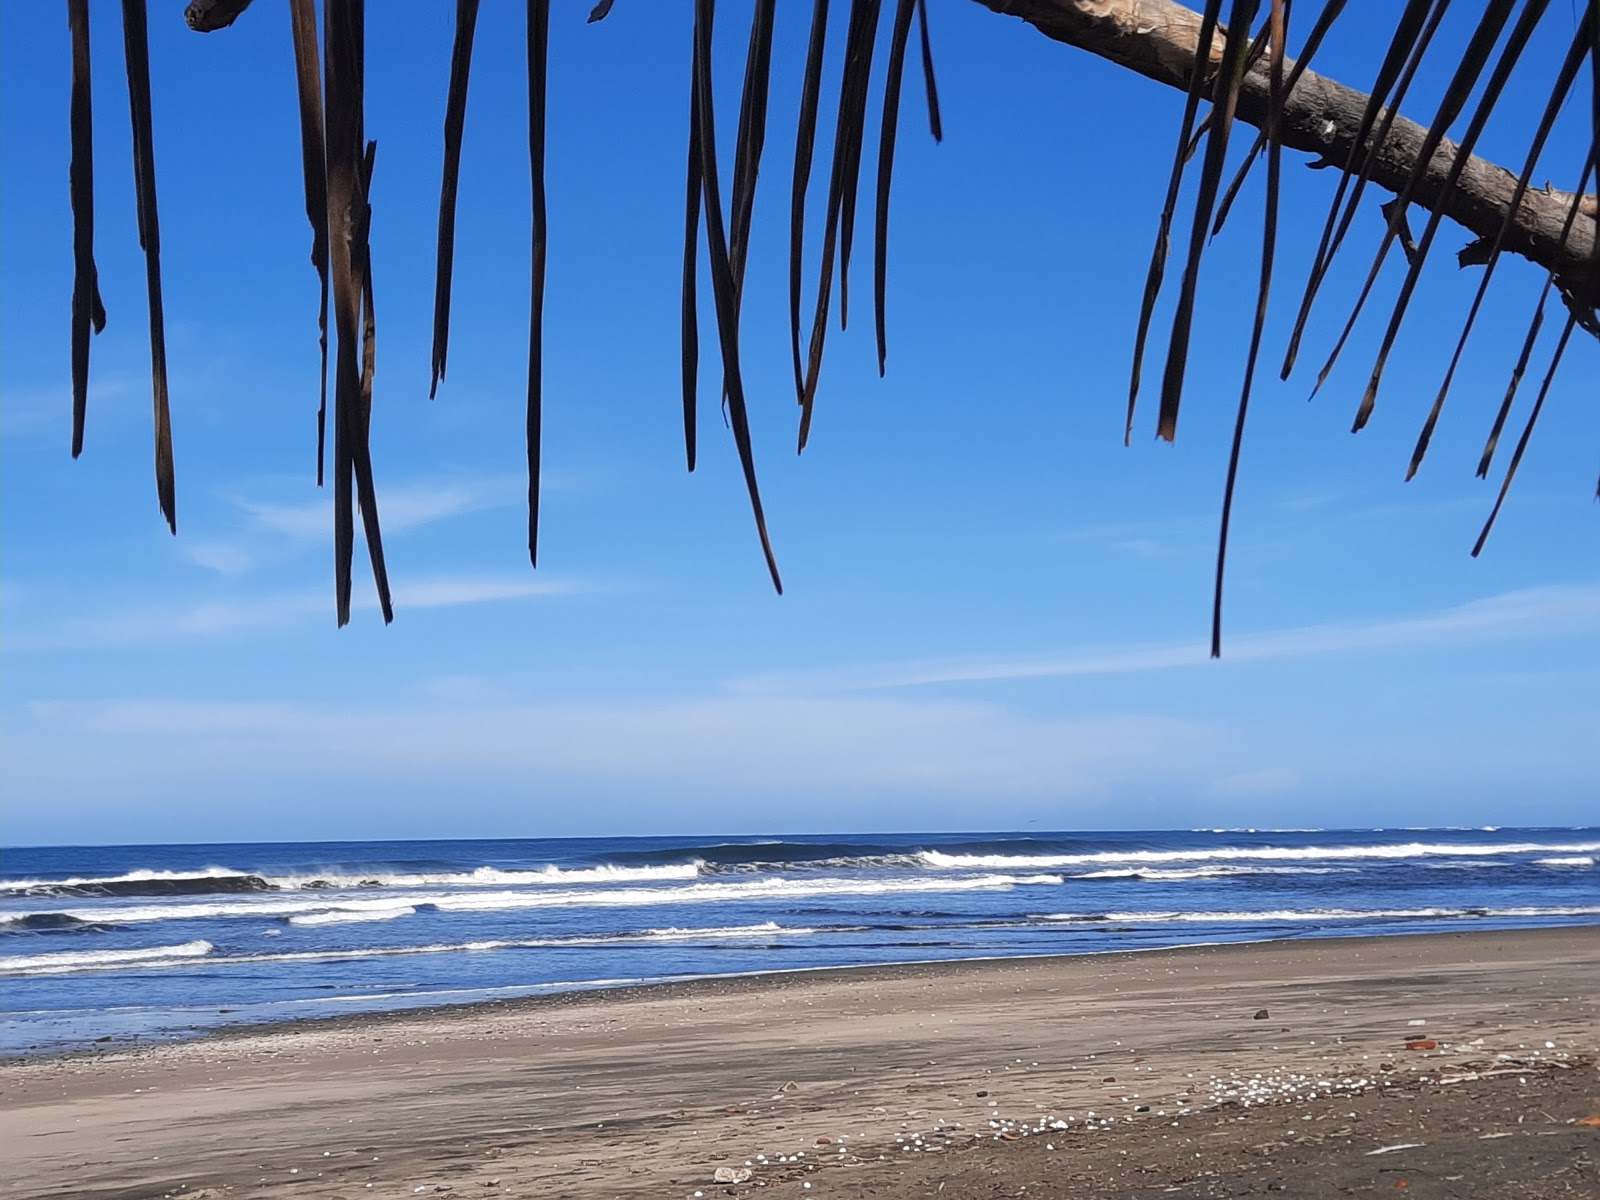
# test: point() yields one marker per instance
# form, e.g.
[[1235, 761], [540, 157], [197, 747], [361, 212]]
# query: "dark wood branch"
[[1157, 39]]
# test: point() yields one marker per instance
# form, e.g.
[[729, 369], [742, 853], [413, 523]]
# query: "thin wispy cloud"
[[46, 410], [236, 617], [273, 531], [400, 508], [1531, 612]]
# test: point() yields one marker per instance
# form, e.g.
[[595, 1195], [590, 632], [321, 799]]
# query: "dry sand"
[[929, 1080]]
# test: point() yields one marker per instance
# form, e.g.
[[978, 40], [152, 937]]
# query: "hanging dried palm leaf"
[[538, 74], [344, 81], [1225, 96], [1278, 36], [1491, 258], [308, 78], [88, 313], [723, 287], [136, 44], [455, 116]]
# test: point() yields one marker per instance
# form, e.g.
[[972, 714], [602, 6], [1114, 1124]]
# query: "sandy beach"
[[1277, 1068]]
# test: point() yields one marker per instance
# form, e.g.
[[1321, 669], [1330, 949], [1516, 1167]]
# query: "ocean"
[[139, 943]]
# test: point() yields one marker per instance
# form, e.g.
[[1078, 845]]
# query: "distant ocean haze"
[[148, 942]]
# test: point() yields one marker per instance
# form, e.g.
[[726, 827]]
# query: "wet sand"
[[965, 1079]]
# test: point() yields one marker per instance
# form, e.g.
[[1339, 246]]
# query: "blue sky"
[[995, 614]]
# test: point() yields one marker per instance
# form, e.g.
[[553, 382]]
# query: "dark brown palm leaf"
[[538, 80], [88, 313], [344, 71], [308, 78], [898, 40], [858, 77], [1325, 19], [1491, 258], [1158, 256], [455, 116], [136, 44], [1521, 32], [1495, 15], [1527, 431], [1278, 36], [722, 282], [1407, 48], [690, 315], [1533, 331], [1225, 95], [930, 85], [860, 35], [751, 139], [804, 147]]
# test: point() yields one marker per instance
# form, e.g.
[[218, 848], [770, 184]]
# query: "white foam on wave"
[[479, 877], [1575, 860], [267, 906], [276, 906], [1399, 850], [756, 889], [169, 955], [1315, 914], [498, 877], [338, 916], [101, 960]]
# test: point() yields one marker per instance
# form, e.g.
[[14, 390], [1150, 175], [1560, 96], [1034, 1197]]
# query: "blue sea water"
[[152, 942]]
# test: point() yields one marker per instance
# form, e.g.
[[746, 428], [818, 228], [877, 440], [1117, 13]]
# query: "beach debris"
[[1418, 1022], [791, 1086], [1261, 1014], [732, 1175], [1422, 1044], [1589, 1121], [824, 1140], [1396, 1146]]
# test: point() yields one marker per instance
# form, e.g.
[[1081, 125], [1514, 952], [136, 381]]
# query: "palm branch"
[[1232, 61]]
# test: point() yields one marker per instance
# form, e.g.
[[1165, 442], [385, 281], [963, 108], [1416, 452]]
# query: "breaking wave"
[[101, 960], [1393, 851], [158, 956], [346, 917], [324, 911], [221, 881]]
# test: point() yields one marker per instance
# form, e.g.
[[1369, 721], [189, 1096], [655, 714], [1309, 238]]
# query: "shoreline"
[[712, 984], [861, 1077]]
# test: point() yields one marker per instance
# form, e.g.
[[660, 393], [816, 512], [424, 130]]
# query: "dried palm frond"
[[87, 310], [303, 23], [136, 44], [455, 117], [723, 287], [538, 76], [1227, 74]]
